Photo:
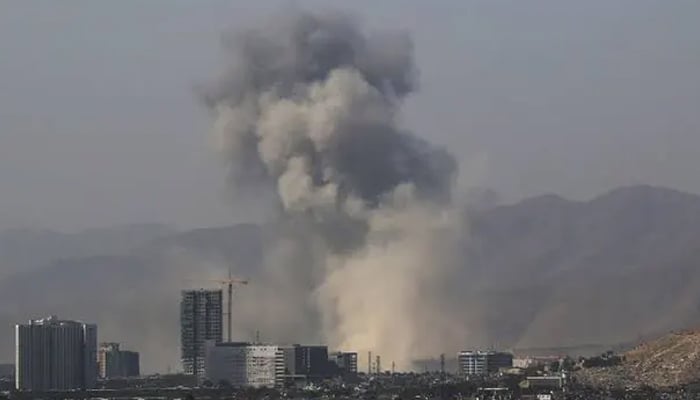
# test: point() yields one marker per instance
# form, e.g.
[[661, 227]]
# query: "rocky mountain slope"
[[609, 270], [671, 360]]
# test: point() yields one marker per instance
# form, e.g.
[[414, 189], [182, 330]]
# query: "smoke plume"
[[309, 106]]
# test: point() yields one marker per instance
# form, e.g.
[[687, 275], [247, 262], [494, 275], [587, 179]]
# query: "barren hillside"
[[671, 360]]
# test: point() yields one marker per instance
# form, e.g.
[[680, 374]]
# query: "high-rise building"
[[483, 362], [200, 321], [116, 363], [53, 354], [244, 364]]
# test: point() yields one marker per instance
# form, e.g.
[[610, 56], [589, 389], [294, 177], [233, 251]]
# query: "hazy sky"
[[99, 123]]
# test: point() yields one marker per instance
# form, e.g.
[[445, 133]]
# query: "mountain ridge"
[[543, 272]]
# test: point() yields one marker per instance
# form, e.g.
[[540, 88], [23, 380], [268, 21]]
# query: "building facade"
[[226, 362], [308, 362], [244, 364], [483, 362], [116, 363], [535, 361], [265, 366], [345, 363], [200, 322], [53, 354]]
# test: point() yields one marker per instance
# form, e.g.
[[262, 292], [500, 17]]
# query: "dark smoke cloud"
[[309, 107], [368, 156]]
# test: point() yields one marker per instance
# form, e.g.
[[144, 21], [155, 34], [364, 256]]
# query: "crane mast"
[[228, 309], [229, 282]]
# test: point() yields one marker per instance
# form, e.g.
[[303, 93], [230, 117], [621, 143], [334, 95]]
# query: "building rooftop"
[[54, 320], [232, 344], [109, 346], [481, 352]]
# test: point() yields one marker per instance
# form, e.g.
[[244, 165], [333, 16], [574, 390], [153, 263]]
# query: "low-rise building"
[[551, 382], [535, 361], [116, 363], [309, 363], [345, 363], [243, 364], [483, 362]]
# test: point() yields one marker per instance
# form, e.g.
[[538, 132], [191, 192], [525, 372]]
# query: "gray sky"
[[99, 124]]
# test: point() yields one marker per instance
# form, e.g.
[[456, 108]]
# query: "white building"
[[264, 366], [243, 364], [53, 354], [483, 362], [537, 361]]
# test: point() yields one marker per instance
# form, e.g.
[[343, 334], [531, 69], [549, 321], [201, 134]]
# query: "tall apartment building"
[[200, 321], [53, 354], [483, 362], [244, 364], [116, 363]]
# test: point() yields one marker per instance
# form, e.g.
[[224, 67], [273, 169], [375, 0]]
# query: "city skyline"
[[446, 193]]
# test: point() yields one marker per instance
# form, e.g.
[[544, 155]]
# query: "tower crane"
[[229, 282]]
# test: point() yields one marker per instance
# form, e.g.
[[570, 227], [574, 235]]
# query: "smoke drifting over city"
[[308, 107]]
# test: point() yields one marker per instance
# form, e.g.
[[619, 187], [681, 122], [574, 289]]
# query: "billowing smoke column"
[[309, 107]]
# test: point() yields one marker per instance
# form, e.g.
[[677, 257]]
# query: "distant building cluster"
[[56, 354], [266, 365], [205, 355], [483, 362]]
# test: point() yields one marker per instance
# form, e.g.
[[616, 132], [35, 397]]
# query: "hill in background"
[[557, 273], [24, 249]]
